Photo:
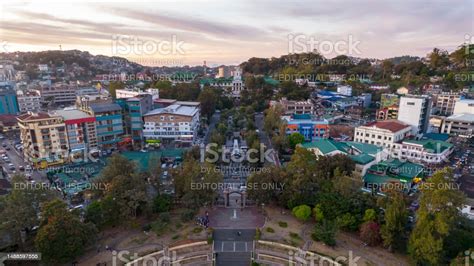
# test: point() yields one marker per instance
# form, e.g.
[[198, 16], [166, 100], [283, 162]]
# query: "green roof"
[[271, 81], [362, 158], [365, 147], [325, 146], [394, 168], [365, 152], [143, 158], [378, 179], [433, 146], [436, 136]]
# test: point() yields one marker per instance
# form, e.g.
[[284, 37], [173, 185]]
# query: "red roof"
[[33, 116], [392, 125]]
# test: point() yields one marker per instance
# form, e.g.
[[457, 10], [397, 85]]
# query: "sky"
[[229, 32]]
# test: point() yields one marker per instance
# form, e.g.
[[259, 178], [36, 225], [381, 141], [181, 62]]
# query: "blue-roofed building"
[[8, 100]]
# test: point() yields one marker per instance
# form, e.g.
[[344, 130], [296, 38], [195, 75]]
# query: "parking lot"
[[11, 159]]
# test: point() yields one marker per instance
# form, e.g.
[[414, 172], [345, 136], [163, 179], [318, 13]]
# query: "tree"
[[395, 218], [22, 206], [161, 203], [114, 86], [295, 139], [208, 99], [302, 212], [439, 209], [63, 236], [325, 232], [370, 233], [262, 179], [130, 194], [117, 165]]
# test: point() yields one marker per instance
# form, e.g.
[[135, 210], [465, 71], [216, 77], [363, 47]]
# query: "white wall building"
[[382, 133], [415, 111], [345, 90], [175, 122], [465, 106], [130, 93], [29, 100]]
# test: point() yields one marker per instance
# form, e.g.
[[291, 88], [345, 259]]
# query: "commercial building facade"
[[311, 128], [176, 122], [44, 139]]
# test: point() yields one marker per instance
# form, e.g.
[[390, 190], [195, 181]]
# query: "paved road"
[[212, 124], [264, 138], [233, 248]]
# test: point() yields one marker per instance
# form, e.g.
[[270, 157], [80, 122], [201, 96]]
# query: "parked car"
[[11, 166]]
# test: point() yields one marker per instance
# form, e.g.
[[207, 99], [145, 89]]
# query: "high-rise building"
[[29, 100], [415, 111], [134, 109], [445, 102], [81, 132]]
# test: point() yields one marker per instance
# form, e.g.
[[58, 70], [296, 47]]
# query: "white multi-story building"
[[424, 151], [445, 102], [465, 106], [173, 123], [295, 107], [29, 100], [345, 90], [130, 93], [459, 124], [415, 111], [58, 93], [382, 133]]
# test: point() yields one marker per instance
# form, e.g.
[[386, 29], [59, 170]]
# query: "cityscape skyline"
[[236, 33]]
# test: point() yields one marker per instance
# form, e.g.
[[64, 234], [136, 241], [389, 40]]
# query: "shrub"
[[294, 235], [302, 212], [270, 230], [159, 227], [165, 217], [325, 232], [187, 215], [175, 237], [370, 233], [283, 224]]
